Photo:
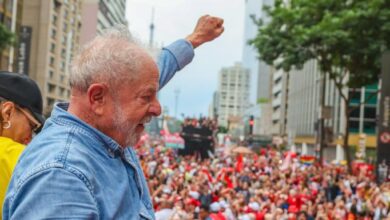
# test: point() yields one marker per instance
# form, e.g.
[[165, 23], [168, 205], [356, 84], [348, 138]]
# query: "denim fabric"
[[175, 56], [73, 171]]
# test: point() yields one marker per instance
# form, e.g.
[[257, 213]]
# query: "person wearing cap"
[[20, 117], [81, 165]]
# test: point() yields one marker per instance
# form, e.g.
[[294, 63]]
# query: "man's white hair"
[[110, 57]]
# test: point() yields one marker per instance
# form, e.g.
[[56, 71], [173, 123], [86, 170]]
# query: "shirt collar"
[[62, 116]]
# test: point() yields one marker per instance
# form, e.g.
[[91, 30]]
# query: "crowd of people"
[[82, 165], [258, 186]]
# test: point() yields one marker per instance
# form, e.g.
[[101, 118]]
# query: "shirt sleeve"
[[174, 58], [54, 193]]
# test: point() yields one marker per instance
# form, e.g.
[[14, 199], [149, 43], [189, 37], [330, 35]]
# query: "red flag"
[[239, 163], [229, 182], [205, 171]]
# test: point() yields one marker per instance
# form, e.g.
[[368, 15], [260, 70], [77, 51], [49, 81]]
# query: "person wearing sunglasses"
[[20, 117]]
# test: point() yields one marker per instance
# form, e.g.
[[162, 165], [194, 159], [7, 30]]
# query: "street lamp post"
[[383, 141]]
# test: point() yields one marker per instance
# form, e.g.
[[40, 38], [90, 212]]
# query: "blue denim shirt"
[[71, 170]]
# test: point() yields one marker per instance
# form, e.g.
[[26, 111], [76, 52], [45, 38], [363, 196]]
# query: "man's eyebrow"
[[150, 89]]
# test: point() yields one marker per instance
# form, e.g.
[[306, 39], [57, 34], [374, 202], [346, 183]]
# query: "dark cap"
[[22, 90]]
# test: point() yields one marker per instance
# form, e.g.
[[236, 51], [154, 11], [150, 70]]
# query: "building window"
[[370, 112], [355, 113], [62, 92], [63, 53], [54, 22], [57, 5], [50, 102], [62, 77], [9, 5], [369, 127], [372, 96], [354, 97], [354, 126], [62, 66], [63, 40], [53, 34], [52, 48], [51, 88], [51, 74], [52, 61]]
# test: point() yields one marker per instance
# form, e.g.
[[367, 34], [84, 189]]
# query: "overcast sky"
[[175, 19]]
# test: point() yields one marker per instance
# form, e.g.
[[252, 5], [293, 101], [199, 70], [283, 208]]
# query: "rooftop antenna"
[[151, 27]]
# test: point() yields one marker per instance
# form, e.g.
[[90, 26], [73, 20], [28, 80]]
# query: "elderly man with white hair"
[[81, 166]]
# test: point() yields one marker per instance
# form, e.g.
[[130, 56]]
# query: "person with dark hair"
[[20, 117], [302, 215], [204, 212]]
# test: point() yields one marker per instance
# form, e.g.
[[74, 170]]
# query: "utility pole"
[[177, 93], [383, 141], [321, 119], [154, 124], [151, 27]]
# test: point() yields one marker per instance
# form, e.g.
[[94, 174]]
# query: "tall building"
[[100, 14], [304, 91], [233, 90], [279, 102], [259, 71], [11, 18], [303, 102], [213, 107], [54, 29]]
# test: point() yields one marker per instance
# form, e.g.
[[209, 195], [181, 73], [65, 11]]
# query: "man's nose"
[[155, 108]]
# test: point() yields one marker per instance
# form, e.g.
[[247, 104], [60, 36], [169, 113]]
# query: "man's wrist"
[[194, 40]]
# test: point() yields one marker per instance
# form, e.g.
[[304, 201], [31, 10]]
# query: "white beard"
[[124, 126]]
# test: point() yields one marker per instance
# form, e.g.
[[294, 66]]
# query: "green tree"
[[345, 37], [7, 38]]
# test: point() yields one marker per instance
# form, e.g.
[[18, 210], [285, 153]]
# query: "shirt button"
[[111, 153]]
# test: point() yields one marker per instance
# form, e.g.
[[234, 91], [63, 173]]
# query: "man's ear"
[[98, 97]]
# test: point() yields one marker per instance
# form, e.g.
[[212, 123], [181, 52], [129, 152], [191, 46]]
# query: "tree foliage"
[[344, 36], [7, 38]]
